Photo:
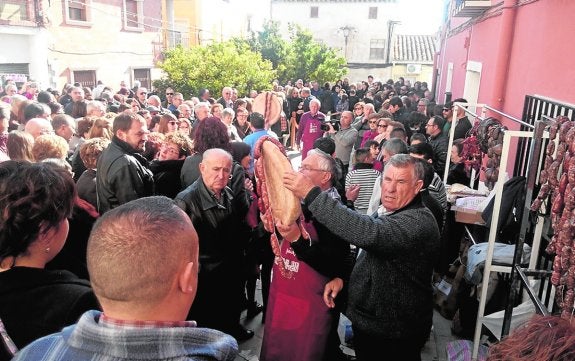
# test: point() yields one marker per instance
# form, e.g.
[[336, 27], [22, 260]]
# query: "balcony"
[[470, 8]]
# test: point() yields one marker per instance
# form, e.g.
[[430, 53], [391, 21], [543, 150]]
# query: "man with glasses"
[[169, 94], [296, 313], [438, 141], [142, 97], [226, 99]]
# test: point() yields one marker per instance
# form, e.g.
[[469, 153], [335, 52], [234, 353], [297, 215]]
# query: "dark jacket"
[[167, 177], [122, 176], [439, 145], [328, 254], [458, 174], [390, 292], [463, 126], [220, 224], [35, 302], [191, 172]]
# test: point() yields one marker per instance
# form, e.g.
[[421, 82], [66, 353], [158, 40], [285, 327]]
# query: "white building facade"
[[360, 29]]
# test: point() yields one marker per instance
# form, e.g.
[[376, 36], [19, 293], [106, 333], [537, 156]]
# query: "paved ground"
[[434, 349]]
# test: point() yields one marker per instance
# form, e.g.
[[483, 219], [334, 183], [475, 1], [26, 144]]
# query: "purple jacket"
[[309, 130]]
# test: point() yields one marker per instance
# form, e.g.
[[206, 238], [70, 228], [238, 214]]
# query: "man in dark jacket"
[[390, 299], [439, 141], [218, 217], [123, 173]]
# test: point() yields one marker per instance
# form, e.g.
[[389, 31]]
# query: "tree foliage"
[[313, 60], [215, 66], [252, 63], [300, 57]]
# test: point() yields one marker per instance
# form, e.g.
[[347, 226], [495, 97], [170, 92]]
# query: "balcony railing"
[[17, 12], [470, 8]]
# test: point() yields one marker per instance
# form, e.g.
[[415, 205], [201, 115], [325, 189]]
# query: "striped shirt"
[[364, 177]]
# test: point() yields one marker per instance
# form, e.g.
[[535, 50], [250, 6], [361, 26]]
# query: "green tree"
[[273, 47], [313, 60], [300, 57], [215, 66]]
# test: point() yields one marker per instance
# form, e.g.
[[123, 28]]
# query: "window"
[[377, 49], [134, 15], [77, 12], [372, 12], [85, 78], [14, 11], [143, 76], [314, 12]]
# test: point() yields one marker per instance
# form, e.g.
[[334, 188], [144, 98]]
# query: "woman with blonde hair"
[[90, 151], [102, 128], [49, 146], [19, 146]]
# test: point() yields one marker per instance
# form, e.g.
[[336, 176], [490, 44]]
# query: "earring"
[[47, 249]]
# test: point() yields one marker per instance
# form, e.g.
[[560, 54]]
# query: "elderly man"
[[310, 127], [154, 101], [123, 173], [390, 299], [344, 139], [143, 263], [64, 126], [218, 216], [38, 126], [228, 116], [142, 97], [296, 291], [226, 99], [185, 112]]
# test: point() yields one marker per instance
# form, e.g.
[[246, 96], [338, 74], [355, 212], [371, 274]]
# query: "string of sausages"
[[557, 181], [265, 206]]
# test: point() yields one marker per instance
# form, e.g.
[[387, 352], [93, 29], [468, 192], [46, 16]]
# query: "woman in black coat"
[[168, 165]]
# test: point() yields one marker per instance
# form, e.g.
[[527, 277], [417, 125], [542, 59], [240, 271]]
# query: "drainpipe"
[[503, 54], [170, 26]]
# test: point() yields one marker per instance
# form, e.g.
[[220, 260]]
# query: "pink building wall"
[[540, 58]]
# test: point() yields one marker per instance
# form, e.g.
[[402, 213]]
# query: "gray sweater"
[[390, 293]]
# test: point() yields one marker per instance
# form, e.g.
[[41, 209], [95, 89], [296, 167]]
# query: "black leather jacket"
[[122, 175]]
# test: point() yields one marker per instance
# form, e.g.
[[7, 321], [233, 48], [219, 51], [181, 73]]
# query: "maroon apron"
[[297, 319]]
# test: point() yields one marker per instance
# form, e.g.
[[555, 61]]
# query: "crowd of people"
[[113, 200]]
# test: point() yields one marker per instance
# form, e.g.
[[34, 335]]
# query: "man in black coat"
[[439, 141], [218, 217], [390, 299], [123, 173]]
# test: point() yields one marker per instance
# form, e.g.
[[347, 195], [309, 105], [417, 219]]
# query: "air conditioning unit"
[[413, 68]]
